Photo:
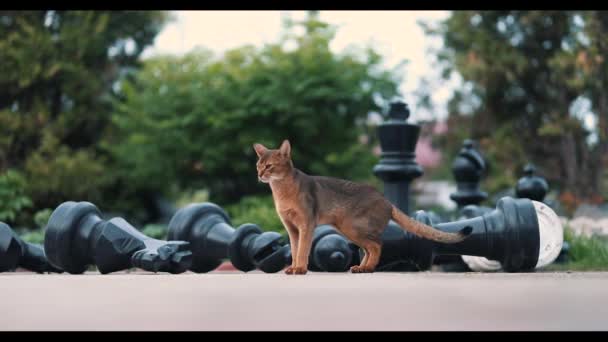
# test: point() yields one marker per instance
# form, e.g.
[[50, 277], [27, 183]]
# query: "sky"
[[395, 34]]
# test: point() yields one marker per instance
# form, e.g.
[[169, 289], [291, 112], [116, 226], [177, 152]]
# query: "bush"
[[33, 236], [41, 218], [57, 73], [12, 195], [57, 173], [155, 231], [190, 122], [256, 209]]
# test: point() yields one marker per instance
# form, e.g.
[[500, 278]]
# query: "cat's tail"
[[426, 231]]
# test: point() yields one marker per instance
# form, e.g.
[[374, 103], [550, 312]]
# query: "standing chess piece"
[[468, 168], [397, 167], [531, 186]]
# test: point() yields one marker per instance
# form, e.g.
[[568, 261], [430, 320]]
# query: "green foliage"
[[33, 236], [155, 231], [190, 122], [191, 196], [41, 218], [256, 209], [56, 77], [586, 253], [57, 173], [525, 75], [12, 195]]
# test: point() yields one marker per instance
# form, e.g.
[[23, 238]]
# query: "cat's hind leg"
[[372, 256], [374, 249], [369, 240], [356, 268]]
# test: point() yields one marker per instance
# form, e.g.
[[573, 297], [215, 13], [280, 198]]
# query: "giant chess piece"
[[331, 251], [530, 186], [213, 238], [467, 168], [77, 237], [521, 234], [535, 187], [397, 167], [14, 252]]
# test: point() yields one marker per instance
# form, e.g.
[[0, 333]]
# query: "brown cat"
[[358, 211]]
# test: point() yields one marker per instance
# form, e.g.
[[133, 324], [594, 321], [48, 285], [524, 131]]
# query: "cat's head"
[[273, 164]]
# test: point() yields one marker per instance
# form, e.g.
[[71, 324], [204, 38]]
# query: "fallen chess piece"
[[77, 237], [331, 251], [212, 238], [14, 252], [520, 234]]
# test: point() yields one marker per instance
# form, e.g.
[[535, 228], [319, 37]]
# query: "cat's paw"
[[300, 270], [296, 270], [360, 269]]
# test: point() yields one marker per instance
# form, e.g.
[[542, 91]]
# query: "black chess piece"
[[213, 239], [14, 252], [535, 187], [531, 186], [397, 167], [468, 168], [77, 237], [519, 233], [331, 251]]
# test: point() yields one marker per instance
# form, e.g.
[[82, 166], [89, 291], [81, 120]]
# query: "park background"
[[143, 112]]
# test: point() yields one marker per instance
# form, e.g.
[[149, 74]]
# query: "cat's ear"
[[259, 149], [285, 148]]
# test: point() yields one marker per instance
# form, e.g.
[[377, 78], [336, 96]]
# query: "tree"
[[190, 122], [56, 77], [526, 75]]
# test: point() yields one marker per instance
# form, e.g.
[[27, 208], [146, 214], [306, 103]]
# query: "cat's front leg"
[[304, 246], [292, 232]]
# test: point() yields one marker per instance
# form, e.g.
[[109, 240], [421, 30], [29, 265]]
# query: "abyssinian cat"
[[358, 211]]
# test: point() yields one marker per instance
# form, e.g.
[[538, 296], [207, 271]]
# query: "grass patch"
[[586, 253]]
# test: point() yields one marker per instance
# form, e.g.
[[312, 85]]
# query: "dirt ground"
[[224, 300]]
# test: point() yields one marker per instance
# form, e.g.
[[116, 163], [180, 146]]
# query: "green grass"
[[586, 253]]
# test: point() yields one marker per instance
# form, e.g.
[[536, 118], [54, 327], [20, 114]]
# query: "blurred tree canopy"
[[190, 122], [534, 84], [57, 73]]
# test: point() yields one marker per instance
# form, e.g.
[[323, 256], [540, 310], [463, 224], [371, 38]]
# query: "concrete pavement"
[[316, 301]]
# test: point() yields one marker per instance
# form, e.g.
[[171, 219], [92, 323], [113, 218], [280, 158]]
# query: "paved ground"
[[316, 301]]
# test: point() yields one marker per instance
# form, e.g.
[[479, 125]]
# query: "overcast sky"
[[395, 34]]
